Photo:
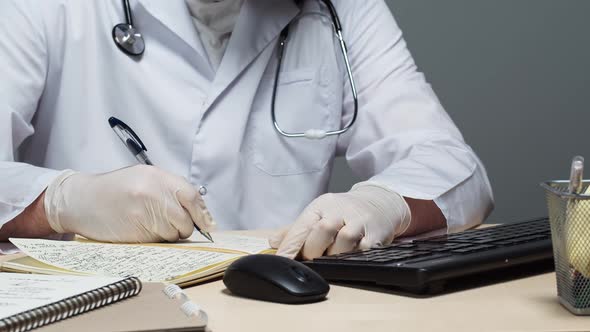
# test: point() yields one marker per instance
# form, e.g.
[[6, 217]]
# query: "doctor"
[[200, 97]]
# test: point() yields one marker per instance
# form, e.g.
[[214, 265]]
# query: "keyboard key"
[[482, 247], [406, 246], [506, 242], [462, 251], [345, 255], [440, 249], [396, 246], [484, 241], [381, 247], [457, 245], [391, 255], [468, 242]]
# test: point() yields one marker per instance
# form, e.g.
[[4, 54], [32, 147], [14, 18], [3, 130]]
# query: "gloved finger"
[[371, 242], [347, 239], [166, 229], [277, 238], [167, 232], [193, 203], [296, 236], [182, 221], [148, 226], [322, 235]]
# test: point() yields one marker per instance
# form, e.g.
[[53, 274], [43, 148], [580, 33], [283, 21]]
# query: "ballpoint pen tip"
[[209, 237]]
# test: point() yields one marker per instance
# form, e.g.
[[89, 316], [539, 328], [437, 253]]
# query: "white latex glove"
[[134, 204], [366, 216]]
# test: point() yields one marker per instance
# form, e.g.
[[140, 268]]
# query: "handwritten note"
[[246, 244], [148, 263], [22, 292]]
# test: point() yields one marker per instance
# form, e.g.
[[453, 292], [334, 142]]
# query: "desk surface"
[[527, 304], [524, 305]]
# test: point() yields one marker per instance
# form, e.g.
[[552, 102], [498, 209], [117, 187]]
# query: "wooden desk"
[[524, 305], [528, 304]]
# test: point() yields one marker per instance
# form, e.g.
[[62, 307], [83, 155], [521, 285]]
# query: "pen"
[[576, 175], [138, 149]]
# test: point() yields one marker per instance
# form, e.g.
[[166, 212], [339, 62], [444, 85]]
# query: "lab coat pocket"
[[304, 101]]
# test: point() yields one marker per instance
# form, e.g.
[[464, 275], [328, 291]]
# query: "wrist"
[[391, 204], [32, 222], [55, 201], [426, 215], [38, 215]]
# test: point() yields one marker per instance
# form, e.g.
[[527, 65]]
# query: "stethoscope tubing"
[[316, 133], [128, 15], [131, 42]]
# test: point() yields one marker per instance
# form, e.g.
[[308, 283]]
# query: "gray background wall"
[[515, 77]]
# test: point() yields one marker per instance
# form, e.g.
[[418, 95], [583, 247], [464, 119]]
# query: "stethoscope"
[[129, 40], [126, 36]]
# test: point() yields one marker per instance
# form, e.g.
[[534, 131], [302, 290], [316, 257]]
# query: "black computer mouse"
[[275, 279]]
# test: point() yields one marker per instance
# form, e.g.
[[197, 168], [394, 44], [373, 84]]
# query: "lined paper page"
[[247, 244], [148, 263], [22, 292]]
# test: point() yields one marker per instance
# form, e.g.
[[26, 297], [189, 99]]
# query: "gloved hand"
[[134, 204], [366, 216]]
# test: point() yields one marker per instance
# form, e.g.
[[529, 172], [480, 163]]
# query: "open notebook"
[[182, 263]]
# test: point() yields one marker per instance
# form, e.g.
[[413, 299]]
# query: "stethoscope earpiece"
[[128, 39]]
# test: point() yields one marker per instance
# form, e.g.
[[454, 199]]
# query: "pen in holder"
[[569, 215]]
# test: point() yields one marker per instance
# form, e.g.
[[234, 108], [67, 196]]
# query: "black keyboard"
[[426, 265]]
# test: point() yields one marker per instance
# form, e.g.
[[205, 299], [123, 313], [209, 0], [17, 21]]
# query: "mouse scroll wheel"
[[299, 274]]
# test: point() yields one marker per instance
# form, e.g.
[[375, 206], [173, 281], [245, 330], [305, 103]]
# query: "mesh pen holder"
[[569, 215]]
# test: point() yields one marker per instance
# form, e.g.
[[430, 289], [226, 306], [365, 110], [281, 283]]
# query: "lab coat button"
[[203, 190]]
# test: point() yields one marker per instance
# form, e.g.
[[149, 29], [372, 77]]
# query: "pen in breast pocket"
[[138, 149]]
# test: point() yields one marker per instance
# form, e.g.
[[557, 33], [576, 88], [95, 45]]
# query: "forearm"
[[32, 222], [426, 217]]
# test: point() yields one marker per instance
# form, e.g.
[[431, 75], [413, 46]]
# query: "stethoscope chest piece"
[[128, 39]]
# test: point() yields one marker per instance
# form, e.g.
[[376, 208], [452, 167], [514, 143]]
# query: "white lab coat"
[[62, 77]]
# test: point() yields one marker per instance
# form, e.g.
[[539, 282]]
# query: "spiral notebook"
[[30, 301], [154, 309]]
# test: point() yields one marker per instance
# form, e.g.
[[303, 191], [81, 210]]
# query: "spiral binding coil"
[[71, 306], [175, 292], [188, 307]]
